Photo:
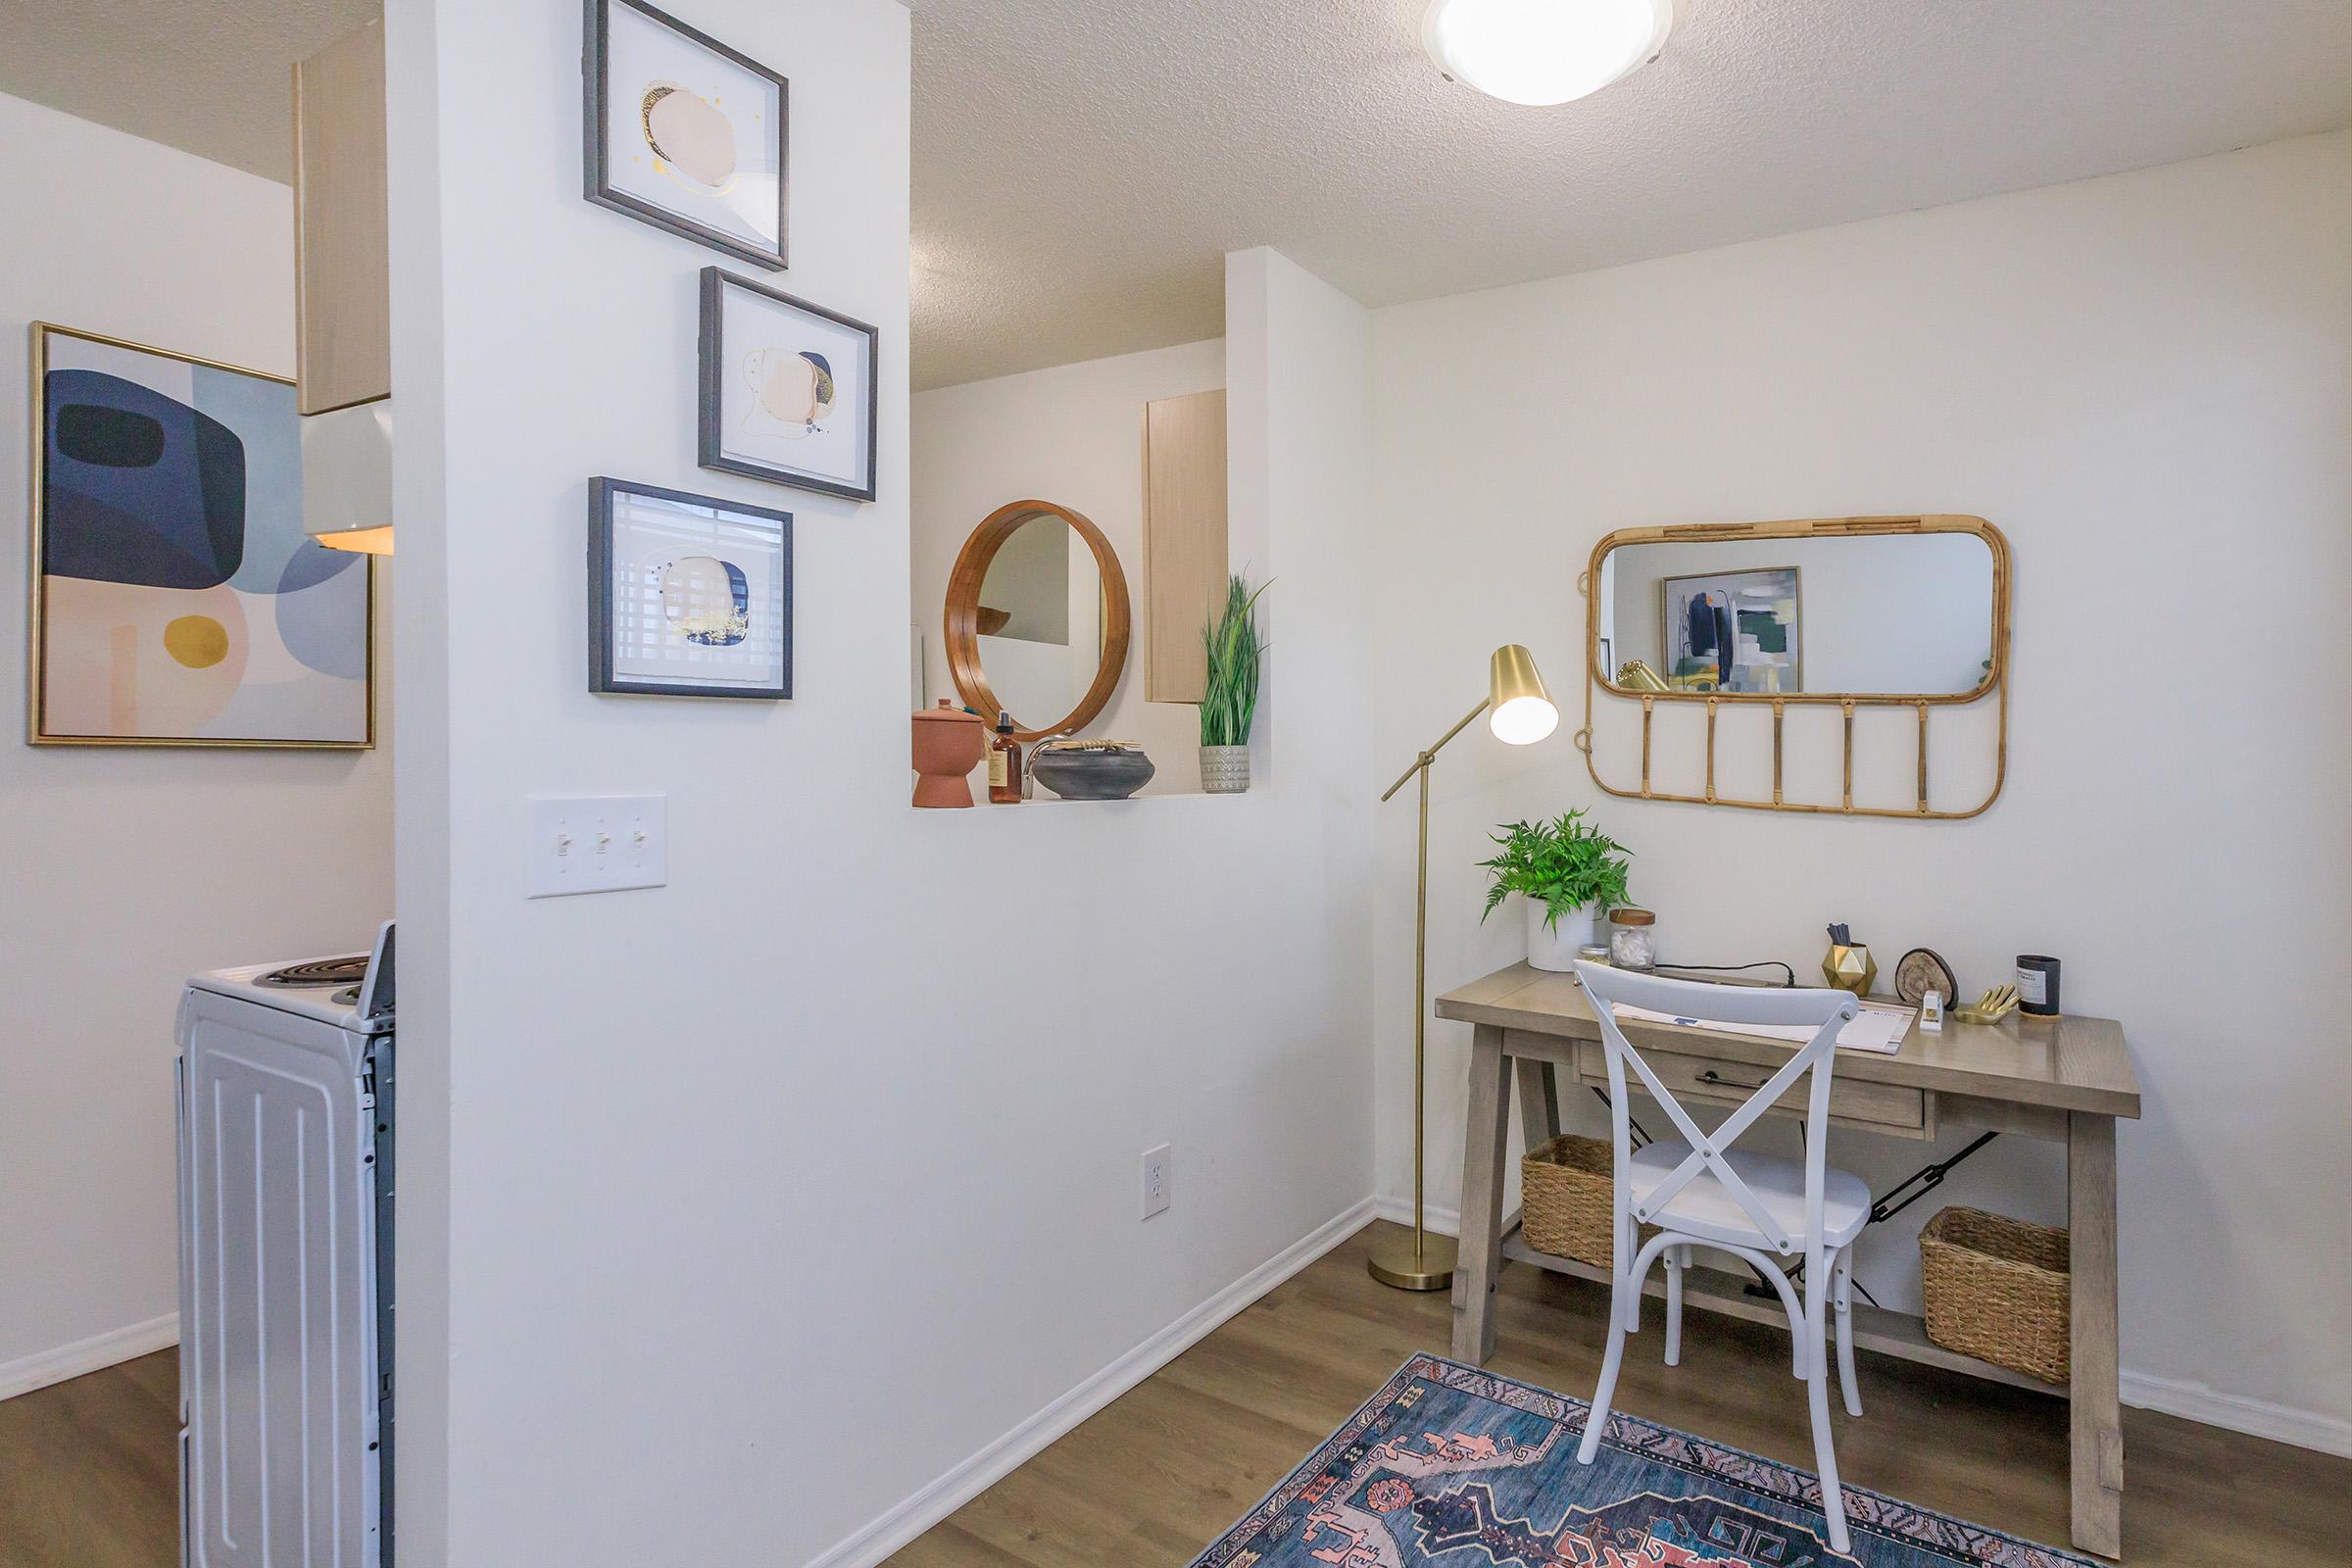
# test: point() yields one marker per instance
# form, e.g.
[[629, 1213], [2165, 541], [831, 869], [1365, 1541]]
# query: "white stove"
[[285, 1274], [349, 991]]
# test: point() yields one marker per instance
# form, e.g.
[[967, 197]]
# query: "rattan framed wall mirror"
[[1794, 666]]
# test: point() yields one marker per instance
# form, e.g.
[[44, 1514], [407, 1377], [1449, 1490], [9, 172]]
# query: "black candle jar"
[[2037, 985]]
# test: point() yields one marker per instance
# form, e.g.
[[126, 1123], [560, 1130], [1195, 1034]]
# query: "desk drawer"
[[1877, 1108]]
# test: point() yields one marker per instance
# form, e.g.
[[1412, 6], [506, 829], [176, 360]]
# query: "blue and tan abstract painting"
[[180, 597]]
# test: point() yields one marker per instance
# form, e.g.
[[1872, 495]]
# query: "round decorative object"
[[1922, 970], [1387, 1495]]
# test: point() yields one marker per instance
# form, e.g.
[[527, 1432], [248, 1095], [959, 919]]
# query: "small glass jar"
[[1632, 939]]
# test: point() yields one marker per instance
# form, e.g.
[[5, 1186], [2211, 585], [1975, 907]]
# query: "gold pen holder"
[[1850, 968]]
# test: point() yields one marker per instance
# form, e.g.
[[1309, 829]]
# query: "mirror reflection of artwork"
[[1043, 596], [179, 598], [1900, 613], [787, 389], [1737, 632], [684, 133], [688, 595]]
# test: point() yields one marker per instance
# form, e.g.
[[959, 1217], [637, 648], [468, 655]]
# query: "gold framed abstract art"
[[178, 598]]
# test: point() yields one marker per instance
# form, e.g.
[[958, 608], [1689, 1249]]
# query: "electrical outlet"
[[1157, 1180]]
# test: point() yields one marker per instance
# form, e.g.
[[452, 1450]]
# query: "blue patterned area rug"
[[1451, 1467]]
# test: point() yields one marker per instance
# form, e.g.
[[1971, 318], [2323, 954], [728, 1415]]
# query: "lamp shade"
[[347, 477], [1519, 710]]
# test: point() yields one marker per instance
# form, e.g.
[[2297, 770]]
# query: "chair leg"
[[1842, 1304], [1596, 1421], [1630, 1248], [1817, 1393], [1677, 1258]]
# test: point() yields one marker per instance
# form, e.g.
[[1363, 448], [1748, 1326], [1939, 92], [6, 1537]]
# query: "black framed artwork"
[[688, 595], [788, 391], [684, 133]]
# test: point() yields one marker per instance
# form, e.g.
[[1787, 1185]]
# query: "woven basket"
[[1565, 1189], [1996, 1289]]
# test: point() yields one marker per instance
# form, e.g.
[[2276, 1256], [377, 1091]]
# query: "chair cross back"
[[1824, 1011]]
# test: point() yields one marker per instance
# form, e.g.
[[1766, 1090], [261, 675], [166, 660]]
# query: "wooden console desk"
[[2062, 1079]]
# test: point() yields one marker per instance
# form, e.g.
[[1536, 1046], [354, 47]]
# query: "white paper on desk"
[[1879, 1026]]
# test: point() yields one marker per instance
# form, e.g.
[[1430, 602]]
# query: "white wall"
[[131, 868], [737, 1213], [2146, 381], [1073, 435]]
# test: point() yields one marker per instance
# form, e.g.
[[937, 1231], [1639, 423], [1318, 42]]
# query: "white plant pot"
[[1552, 946], [1224, 769]]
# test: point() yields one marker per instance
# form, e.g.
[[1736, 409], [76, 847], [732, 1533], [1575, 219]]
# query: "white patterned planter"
[[1225, 769]]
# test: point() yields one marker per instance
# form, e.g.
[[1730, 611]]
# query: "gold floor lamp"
[[1520, 712]]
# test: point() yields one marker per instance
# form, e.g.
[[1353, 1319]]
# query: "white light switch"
[[597, 843]]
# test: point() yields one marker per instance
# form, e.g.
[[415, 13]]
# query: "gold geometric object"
[[1850, 968]]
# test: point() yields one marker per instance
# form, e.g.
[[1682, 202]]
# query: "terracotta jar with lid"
[[949, 744]]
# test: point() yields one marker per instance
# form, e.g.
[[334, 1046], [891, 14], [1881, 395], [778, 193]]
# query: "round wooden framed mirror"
[[1037, 620]]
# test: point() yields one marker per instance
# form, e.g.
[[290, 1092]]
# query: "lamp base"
[[1393, 1262]]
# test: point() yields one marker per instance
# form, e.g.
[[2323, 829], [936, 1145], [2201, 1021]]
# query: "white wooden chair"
[[1701, 1191]]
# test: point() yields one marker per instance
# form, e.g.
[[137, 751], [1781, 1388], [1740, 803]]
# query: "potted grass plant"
[[1229, 700], [1567, 871]]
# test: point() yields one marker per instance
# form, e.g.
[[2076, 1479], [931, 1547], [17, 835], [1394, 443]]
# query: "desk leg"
[[1483, 1147], [2097, 1431], [1538, 1101]]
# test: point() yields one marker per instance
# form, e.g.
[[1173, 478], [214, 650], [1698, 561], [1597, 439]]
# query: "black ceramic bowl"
[[1092, 775]]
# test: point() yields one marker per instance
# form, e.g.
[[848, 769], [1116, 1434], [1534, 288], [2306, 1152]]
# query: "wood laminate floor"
[[89, 1476], [1156, 1476]]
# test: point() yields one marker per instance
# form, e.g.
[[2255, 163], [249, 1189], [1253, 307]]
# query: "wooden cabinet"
[[1184, 540], [342, 237]]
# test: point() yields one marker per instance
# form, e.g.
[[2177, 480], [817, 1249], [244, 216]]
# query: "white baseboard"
[[39, 1370], [873, 1541], [2259, 1418]]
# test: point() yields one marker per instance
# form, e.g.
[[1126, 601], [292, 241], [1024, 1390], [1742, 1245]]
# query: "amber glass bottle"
[[1004, 763]]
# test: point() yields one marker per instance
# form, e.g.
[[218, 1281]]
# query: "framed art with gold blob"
[[684, 133]]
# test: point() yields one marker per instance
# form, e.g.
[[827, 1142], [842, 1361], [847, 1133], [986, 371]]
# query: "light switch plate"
[[597, 843]]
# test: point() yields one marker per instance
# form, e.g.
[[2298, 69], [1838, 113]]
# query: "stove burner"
[[320, 972], [348, 997]]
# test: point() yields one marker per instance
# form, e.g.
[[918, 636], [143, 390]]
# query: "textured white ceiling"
[[212, 76], [1080, 164]]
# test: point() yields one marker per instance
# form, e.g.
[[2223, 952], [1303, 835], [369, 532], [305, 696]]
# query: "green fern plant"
[[1564, 865], [1228, 703]]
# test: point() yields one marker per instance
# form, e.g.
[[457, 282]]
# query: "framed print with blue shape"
[[788, 391], [178, 596], [688, 595]]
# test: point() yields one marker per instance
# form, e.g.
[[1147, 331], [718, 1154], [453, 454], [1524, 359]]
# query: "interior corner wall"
[[1074, 435], [786, 1205], [2145, 381], [130, 869]]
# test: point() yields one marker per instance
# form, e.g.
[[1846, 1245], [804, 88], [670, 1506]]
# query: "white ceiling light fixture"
[[1543, 51]]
